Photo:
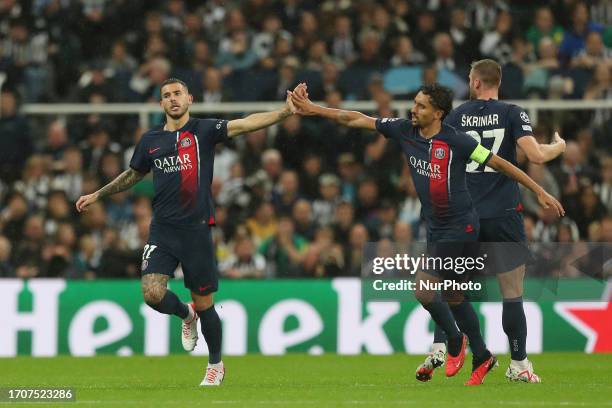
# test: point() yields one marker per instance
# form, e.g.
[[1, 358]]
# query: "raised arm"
[[510, 170], [256, 121], [261, 120], [122, 182], [352, 119], [541, 153]]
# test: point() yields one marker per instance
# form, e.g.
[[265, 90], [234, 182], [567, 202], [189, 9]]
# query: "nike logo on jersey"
[[151, 151]]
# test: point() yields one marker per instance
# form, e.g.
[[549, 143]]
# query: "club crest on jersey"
[[525, 117], [439, 153], [186, 142]]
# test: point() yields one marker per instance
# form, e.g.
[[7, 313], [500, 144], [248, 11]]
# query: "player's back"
[[497, 126]]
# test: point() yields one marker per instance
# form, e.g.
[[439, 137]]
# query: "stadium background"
[[295, 201]]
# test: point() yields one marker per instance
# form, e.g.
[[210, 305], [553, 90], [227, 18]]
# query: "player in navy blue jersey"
[[499, 127], [180, 154], [437, 155]]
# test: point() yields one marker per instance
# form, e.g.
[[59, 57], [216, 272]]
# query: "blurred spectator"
[[445, 53], [28, 54], [544, 28], [58, 212], [307, 33], [115, 261], [97, 145], [402, 237], [15, 143], [606, 229], [214, 91], [57, 142], [263, 41], [244, 262], [348, 170], [87, 259], [310, 175], [482, 14], [342, 43], [27, 256], [405, 54], [292, 141], [6, 267], [353, 253], [96, 81], [303, 220], [324, 209], [590, 209], [574, 39], [252, 151], [465, 38], [263, 224], [600, 87], [272, 164], [35, 182], [573, 168], [121, 62], [70, 177], [604, 188], [13, 216], [370, 56], [324, 257], [238, 57], [343, 221], [285, 251], [541, 175], [497, 43], [594, 54], [286, 192], [424, 34]]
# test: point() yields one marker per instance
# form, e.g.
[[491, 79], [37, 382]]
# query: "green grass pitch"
[[569, 379]]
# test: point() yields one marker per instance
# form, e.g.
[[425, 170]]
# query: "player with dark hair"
[[180, 153], [437, 156], [499, 127]]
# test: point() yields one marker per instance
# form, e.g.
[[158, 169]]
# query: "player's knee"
[[202, 302], [153, 295]]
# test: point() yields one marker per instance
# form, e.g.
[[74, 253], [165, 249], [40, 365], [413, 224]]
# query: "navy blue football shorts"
[[191, 246], [453, 246], [505, 243]]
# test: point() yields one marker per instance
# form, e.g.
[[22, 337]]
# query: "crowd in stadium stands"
[[300, 199]]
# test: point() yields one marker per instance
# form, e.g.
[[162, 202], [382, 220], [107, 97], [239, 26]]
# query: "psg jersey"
[[437, 166], [182, 165], [497, 126]]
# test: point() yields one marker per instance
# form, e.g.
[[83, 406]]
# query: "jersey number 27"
[[498, 137]]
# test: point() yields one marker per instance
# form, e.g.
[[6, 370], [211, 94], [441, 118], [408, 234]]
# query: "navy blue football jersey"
[[437, 166], [497, 126], [182, 165]]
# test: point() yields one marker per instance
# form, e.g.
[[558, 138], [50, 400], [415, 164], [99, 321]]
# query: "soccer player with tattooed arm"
[[180, 154], [437, 155]]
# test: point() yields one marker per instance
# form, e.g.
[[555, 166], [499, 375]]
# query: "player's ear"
[[190, 99]]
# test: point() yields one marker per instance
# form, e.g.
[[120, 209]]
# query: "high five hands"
[[299, 98]]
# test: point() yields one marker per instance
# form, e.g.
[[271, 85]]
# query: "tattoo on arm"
[[123, 181], [284, 114]]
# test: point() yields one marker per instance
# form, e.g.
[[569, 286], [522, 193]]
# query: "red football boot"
[[454, 363]]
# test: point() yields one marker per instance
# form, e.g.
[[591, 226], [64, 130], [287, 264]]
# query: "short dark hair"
[[440, 97], [488, 71], [174, 81]]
